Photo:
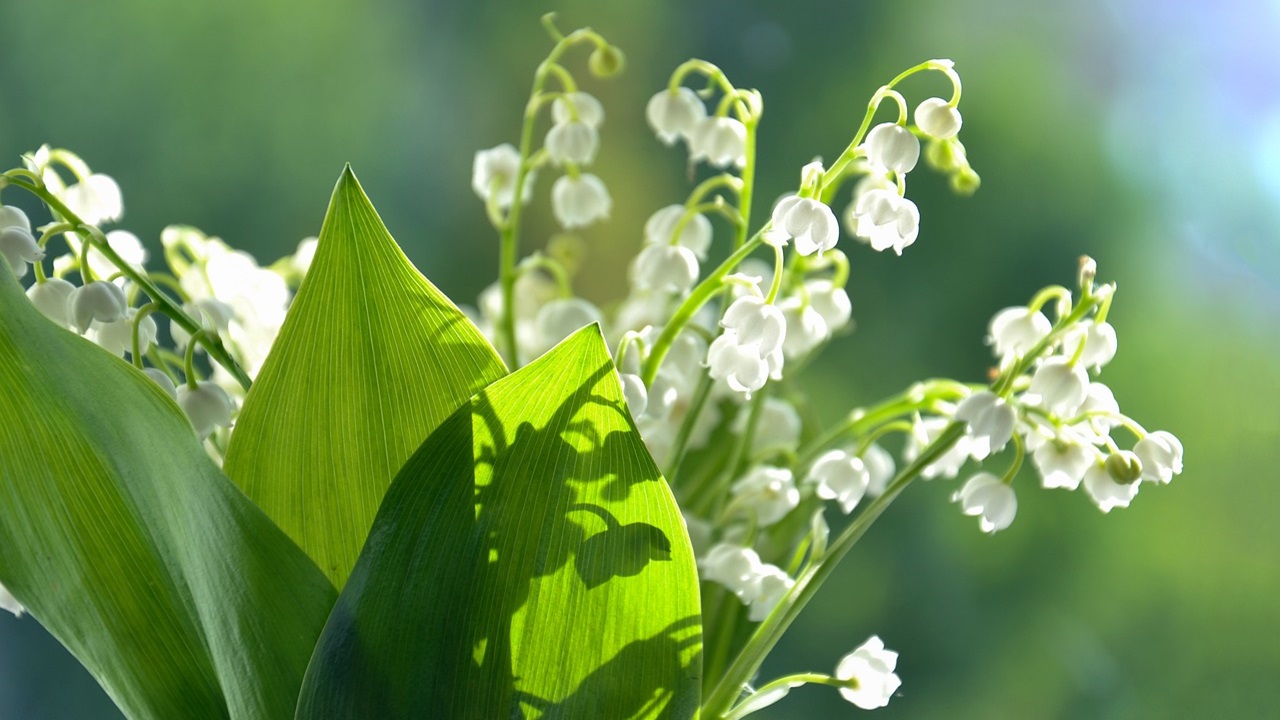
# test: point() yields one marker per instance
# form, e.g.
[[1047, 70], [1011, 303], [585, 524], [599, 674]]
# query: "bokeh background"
[[1144, 133]]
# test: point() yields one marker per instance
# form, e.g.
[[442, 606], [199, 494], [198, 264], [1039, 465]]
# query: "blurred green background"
[[1145, 133]]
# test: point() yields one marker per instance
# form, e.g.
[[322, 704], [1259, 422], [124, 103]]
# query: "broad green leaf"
[[371, 359], [124, 539], [529, 561]]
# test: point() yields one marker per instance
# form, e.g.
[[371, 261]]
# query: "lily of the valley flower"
[[842, 477], [695, 235], [675, 114], [98, 301], [893, 147], [207, 406], [50, 298], [937, 118], [885, 220], [810, 222], [19, 247], [869, 672], [580, 201], [494, 172], [721, 141], [991, 499]]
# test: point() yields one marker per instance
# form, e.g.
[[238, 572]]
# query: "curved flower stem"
[[771, 630], [212, 345], [143, 312]]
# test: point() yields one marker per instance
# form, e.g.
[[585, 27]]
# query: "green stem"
[[771, 630], [143, 311], [175, 312], [189, 361]]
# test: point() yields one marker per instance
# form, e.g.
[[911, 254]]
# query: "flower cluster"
[[101, 288]]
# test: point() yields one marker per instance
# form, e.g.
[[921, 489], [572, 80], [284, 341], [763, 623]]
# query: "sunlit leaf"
[[371, 359], [529, 561], [131, 547]]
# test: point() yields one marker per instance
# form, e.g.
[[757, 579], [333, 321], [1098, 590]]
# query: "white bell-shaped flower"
[[840, 476], [674, 115], [923, 432], [806, 329], [580, 201], [98, 301], [207, 406], [721, 141], [495, 170], [10, 603], [1106, 490], [991, 499], [1099, 340], [740, 366], [869, 671], [11, 216], [586, 107], [668, 268], [831, 302], [892, 146], [771, 586], [1062, 462], [1102, 413], [50, 298], [117, 337], [634, 392], [159, 378], [572, 142], [20, 248], [95, 200], [126, 245], [990, 419], [1058, 386], [880, 468], [695, 235], [756, 322], [1015, 330], [810, 222], [733, 566], [768, 492], [937, 118], [1161, 456], [561, 318], [886, 220]]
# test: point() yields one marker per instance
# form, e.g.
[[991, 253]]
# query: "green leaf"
[[529, 561], [126, 541], [371, 359]]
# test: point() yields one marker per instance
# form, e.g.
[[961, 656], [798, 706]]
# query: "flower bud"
[[98, 301], [207, 406], [50, 298], [1124, 467], [606, 61]]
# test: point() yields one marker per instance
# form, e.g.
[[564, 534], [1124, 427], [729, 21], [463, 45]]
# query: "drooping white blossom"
[[937, 118], [771, 585], [580, 201], [721, 141], [749, 351], [989, 498], [588, 109], [923, 432], [1015, 330], [777, 430], [1161, 456], [990, 420], [117, 337], [96, 199], [808, 221], [806, 329], [768, 492], [561, 318], [892, 146], [98, 301], [11, 216], [880, 468], [207, 406], [1105, 489], [733, 566], [840, 476], [634, 392], [19, 247], [885, 220], [870, 671], [50, 298], [695, 235], [675, 114], [667, 268], [494, 172], [1062, 462], [1099, 339], [159, 378], [1059, 386], [572, 141]]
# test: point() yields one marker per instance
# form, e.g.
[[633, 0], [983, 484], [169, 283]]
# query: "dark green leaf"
[[126, 541], [529, 561]]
